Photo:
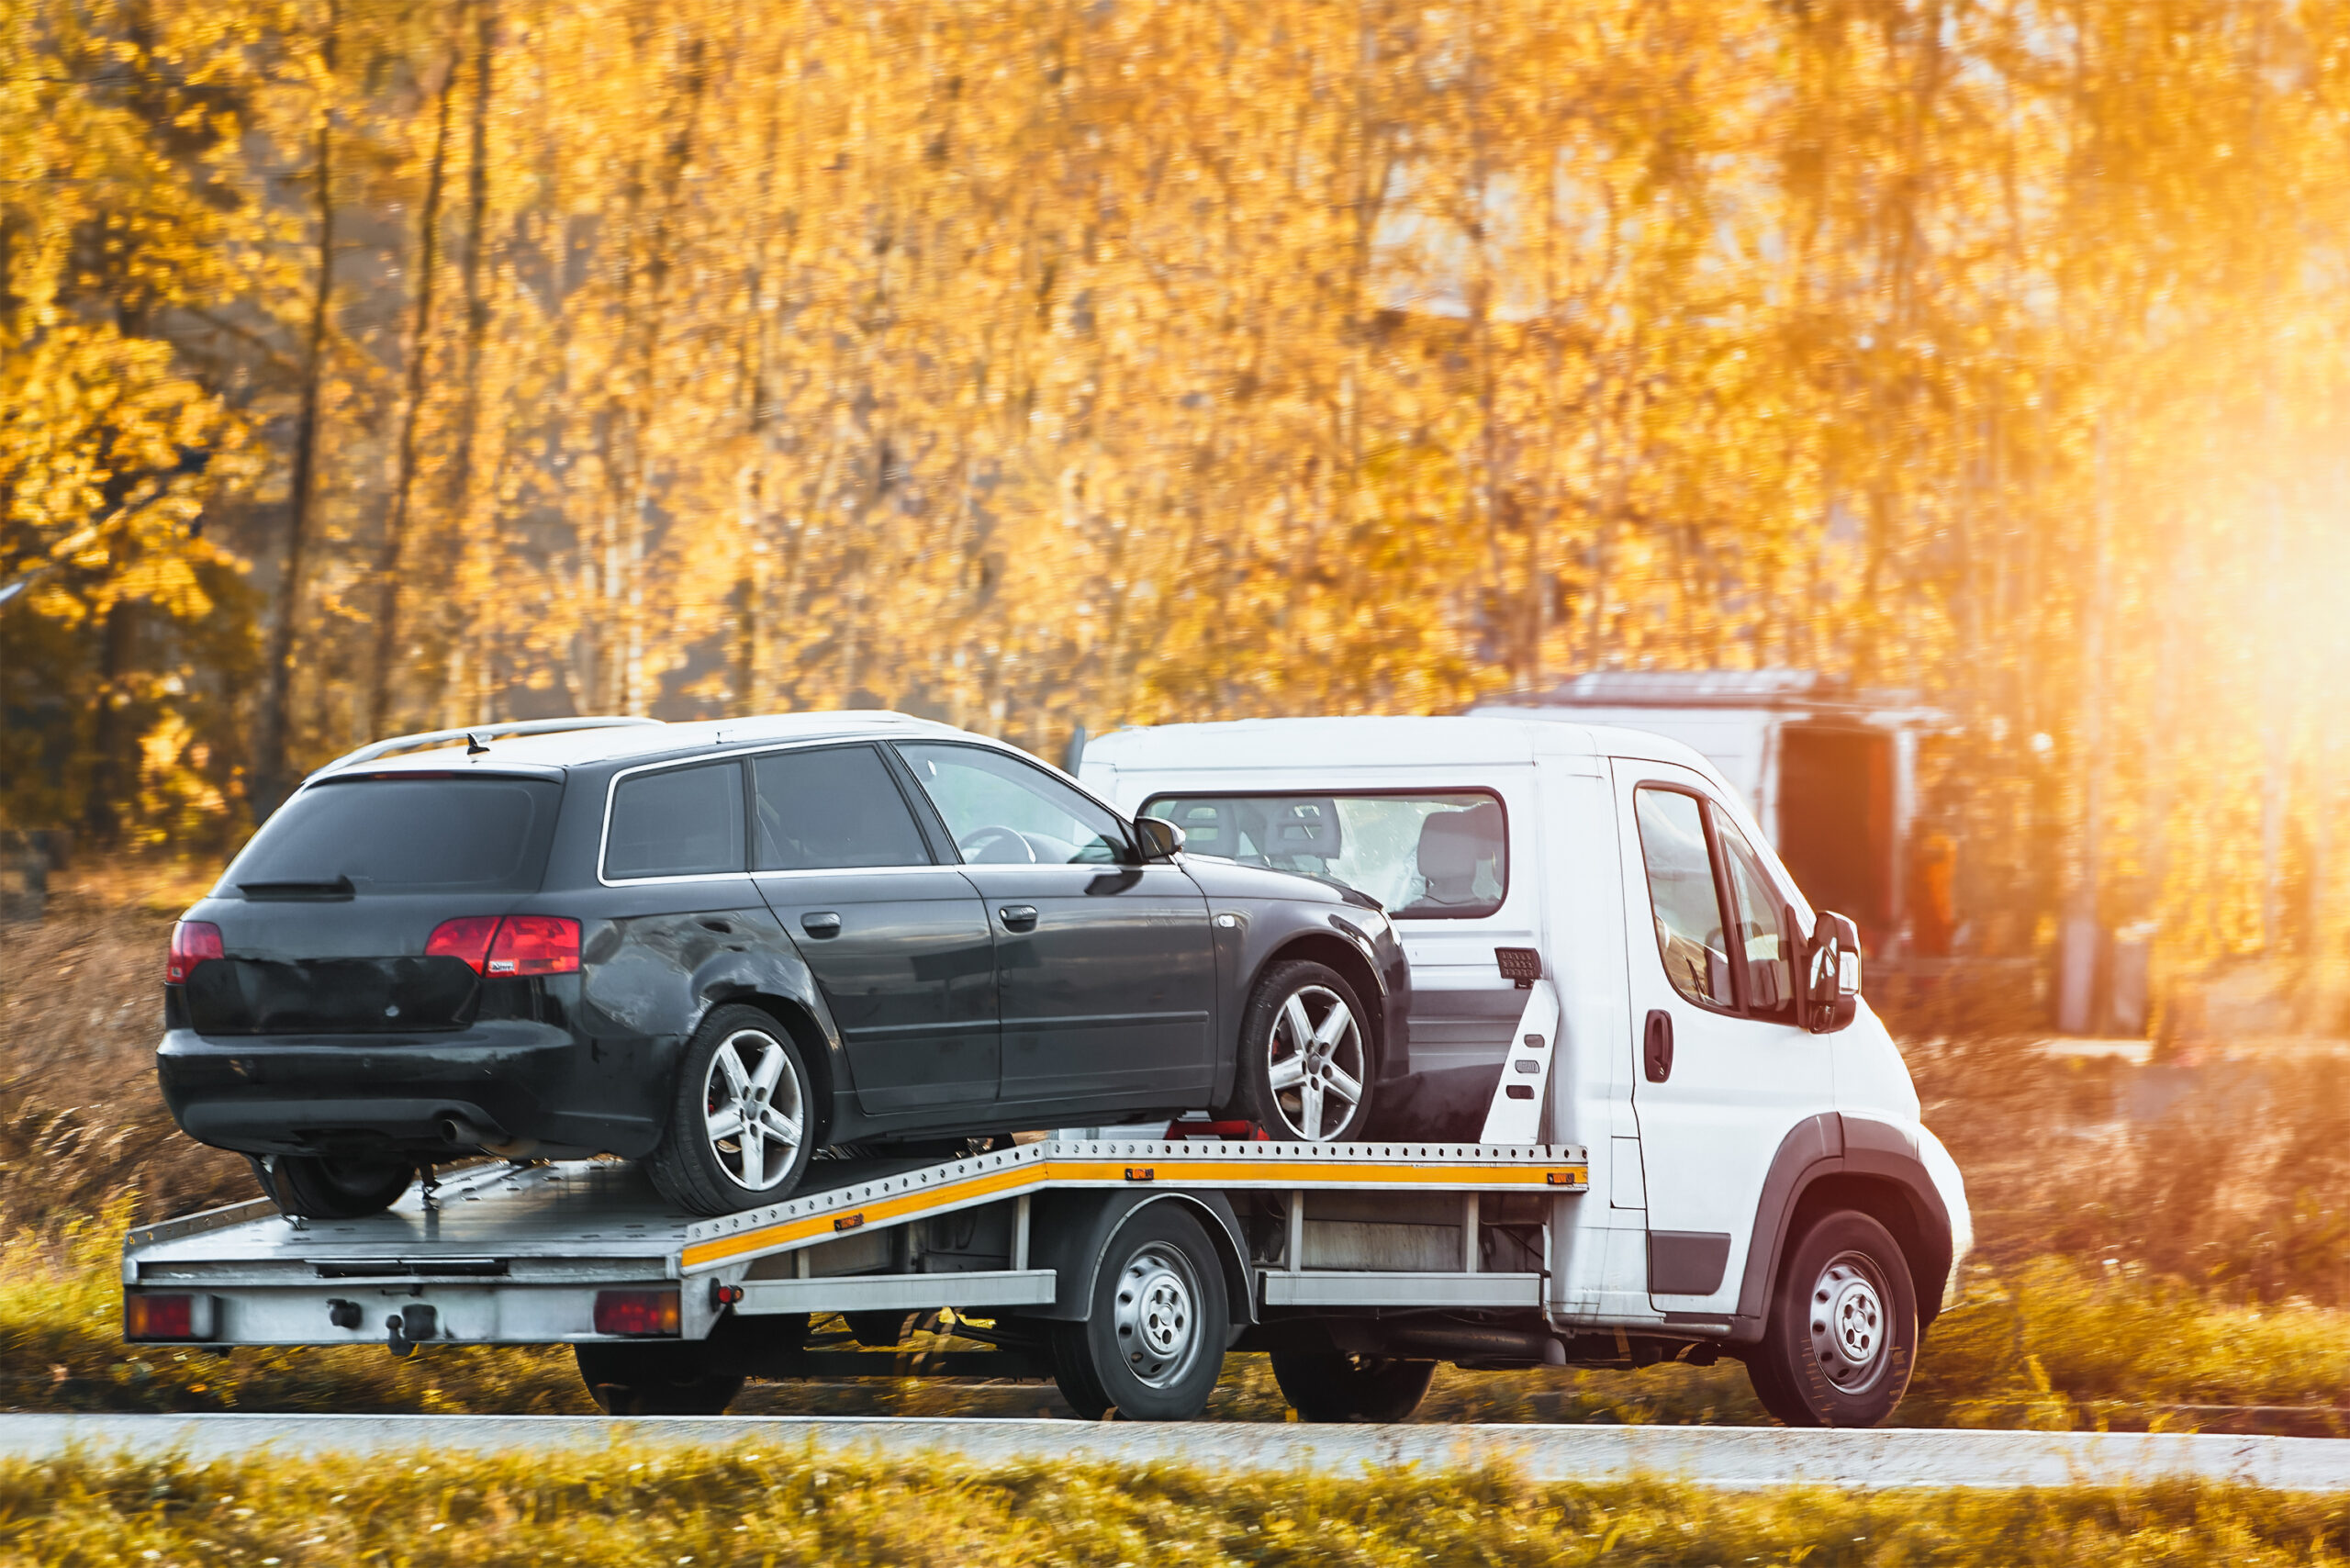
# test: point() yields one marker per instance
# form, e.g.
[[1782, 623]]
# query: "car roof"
[[649, 741], [1453, 743]]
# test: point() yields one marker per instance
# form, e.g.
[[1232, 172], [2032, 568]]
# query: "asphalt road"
[[1712, 1456]]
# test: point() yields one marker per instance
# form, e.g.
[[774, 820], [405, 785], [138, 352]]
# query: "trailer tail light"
[[170, 1317], [193, 941], [637, 1311], [517, 944], [535, 944]]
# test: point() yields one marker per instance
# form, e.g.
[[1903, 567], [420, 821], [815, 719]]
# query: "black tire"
[[319, 1188], [1152, 1342], [693, 1167], [1841, 1339], [654, 1380], [1330, 1386], [1323, 1071]]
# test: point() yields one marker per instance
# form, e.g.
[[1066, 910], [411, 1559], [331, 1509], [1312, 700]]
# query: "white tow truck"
[[1763, 1187]]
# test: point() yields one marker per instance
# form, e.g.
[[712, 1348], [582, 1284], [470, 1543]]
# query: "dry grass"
[[746, 1506]]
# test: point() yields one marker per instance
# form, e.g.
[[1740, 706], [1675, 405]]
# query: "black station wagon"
[[719, 948]]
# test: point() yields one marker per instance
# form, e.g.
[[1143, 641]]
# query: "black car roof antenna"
[[475, 744]]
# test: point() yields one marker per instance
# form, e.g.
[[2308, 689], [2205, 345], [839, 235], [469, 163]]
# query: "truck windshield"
[[408, 834], [1425, 857]]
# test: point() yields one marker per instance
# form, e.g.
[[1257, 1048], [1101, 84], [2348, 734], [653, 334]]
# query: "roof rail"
[[519, 727]]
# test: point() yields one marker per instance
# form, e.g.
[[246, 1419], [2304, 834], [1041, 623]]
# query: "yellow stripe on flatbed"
[[1142, 1171]]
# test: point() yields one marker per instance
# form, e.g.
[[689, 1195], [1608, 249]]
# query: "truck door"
[[1724, 1068]]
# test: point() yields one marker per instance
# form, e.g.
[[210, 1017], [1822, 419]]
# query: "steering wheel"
[[979, 844]]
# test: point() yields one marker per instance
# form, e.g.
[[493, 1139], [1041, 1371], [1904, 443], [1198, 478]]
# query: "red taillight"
[[167, 1316], [535, 944], [637, 1311], [468, 938], [193, 941], [517, 944]]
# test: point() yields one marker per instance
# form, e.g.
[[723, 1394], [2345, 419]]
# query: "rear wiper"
[[340, 888]]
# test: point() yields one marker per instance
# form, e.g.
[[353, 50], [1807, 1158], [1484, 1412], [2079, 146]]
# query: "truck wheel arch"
[[1839, 1160], [1071, 1241]]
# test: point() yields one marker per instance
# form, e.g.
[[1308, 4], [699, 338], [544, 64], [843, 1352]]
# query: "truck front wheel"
[[1331, 1387], [1152, 1344], [1841, 1336]]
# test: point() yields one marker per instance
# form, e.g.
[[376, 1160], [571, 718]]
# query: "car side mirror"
[[1159, 838], [1831, 968]]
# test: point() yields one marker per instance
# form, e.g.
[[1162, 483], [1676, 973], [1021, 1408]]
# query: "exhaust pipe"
[[465, 1133]]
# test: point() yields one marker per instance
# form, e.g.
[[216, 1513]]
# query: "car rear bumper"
[[511, 1086]]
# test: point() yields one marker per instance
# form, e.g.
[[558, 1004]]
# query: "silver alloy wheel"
[[751, 1101], [1315, 1064], [1848, 1322], [1157, 1315]]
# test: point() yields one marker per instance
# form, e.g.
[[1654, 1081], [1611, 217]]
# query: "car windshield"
[[471, 832], [1425, 857]]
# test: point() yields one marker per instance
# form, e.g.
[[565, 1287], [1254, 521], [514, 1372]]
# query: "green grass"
[[2058, 1346], [744, 1507]]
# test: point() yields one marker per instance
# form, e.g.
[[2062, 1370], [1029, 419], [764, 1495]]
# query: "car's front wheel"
[[741, 1120], [1305, 1064]]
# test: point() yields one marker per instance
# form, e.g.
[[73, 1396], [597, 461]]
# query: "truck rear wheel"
[[1330, 1386], [1841, 1336], [654, 1380], [1152, 1344]]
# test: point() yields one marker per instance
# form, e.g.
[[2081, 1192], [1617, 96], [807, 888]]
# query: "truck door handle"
[[1018, 916], [1656, 1052], [820, 922]]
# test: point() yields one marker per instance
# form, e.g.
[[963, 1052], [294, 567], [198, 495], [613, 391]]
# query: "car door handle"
[[820, 922], [1656, 1052], [1018, 916]]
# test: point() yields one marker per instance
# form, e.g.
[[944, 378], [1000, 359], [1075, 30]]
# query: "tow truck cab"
[[1718, 1118]]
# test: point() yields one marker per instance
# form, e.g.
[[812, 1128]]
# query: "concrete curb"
[[1710, 1456]]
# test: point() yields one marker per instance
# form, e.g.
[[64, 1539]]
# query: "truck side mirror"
[[1159, 838], [1832, 966]]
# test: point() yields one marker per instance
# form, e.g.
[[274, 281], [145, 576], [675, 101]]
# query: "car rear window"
[[687, 821], [479, 832]]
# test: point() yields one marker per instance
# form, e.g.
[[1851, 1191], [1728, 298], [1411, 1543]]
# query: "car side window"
[[1761, 930], [1000, 811], [1683, 896], [830, 809], [686, 821]]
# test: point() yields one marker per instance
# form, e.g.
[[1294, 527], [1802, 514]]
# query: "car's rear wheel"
[[1306, 1067], [654, 1380], [319, 1188], [1841, 1335], [740, 1122], [1330, 1386]]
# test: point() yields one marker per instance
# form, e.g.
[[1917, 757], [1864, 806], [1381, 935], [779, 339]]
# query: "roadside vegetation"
[[749, 1506], [2126, 1275]]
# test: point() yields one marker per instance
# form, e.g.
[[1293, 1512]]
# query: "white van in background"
[[1760, 1177]]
